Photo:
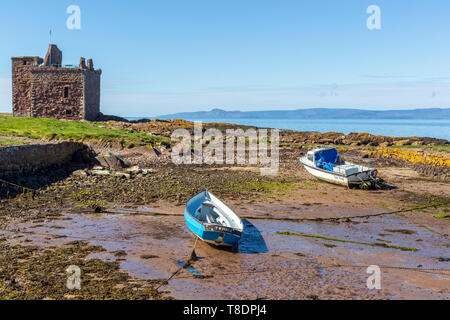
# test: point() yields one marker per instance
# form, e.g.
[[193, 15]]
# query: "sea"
[[387, 127]]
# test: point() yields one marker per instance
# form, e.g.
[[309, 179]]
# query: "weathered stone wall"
[[42, 88], [27, 159], [53, 56], [48, 88], [21, 85], [92, 94]]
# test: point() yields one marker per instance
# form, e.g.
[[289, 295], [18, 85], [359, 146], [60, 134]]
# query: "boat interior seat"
[[209, 213]]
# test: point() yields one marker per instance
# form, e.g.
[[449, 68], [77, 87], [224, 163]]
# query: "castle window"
[[24, 62], [66, 92], [68, 112]]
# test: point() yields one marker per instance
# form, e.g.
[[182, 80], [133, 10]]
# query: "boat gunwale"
[[203, 223]]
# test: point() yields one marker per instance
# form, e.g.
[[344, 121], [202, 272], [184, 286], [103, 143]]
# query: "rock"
[[347, 141], [326, 141], [339, 140], [101, 172], [123, 175], [146, 171], [101, 160], [364, 155], [80, 173], [385, 144], [111, 161], [148, 151], [405, 142], [134, 170]]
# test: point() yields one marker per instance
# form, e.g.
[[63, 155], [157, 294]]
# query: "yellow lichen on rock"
[[433, 159]]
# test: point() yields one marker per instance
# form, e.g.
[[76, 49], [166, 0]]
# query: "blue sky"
[[169, 56]]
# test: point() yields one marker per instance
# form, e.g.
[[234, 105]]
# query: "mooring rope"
[[16, 185], [317, 219], [445, 272], [192, 258]]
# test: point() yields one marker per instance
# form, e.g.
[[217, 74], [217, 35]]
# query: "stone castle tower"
[[44, 88]]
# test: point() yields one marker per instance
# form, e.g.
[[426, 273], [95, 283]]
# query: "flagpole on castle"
[[50, 56]]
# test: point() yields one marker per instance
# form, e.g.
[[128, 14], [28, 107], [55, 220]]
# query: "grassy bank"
[[53, 129], [6, 142]]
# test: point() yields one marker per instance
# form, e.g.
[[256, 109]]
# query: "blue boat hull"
[[219, 236]]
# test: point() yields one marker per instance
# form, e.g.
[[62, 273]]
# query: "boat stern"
[[221, 236], [365, 177]]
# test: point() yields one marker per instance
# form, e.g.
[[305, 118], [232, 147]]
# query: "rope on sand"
[[16, 185], [192, 258], [434, 205], [444, 272], [318, 219]]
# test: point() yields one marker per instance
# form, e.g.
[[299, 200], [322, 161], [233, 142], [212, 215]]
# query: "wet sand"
[[139, 222], [268, 265]]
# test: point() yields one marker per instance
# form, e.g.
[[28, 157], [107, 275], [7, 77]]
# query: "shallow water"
[[267, 265], [387, 127]]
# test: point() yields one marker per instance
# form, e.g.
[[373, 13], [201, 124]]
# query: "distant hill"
[[315, 113]]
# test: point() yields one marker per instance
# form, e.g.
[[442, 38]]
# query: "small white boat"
[[212, 220], [325, 164]]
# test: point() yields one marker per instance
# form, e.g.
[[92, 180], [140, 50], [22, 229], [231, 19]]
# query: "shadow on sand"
[[251, 240]]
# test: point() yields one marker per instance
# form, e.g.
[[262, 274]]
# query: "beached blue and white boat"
[[213, 221], [326, 164]]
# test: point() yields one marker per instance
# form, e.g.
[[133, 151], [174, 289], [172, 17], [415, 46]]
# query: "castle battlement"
[[42, 87]]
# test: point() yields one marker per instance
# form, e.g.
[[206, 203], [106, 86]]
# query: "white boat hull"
[[331, 177], [327, 176]]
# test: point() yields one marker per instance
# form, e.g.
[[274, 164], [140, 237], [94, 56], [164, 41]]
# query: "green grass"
[[53, 129], [376, 244], [383, 205], [308, 184], [6, 142]]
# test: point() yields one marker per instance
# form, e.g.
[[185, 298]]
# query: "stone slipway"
[[27, 159]]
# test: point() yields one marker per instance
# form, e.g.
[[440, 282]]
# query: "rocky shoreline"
[[127, 181], [166, 127]]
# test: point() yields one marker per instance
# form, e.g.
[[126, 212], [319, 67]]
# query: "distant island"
[[316, 113]]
